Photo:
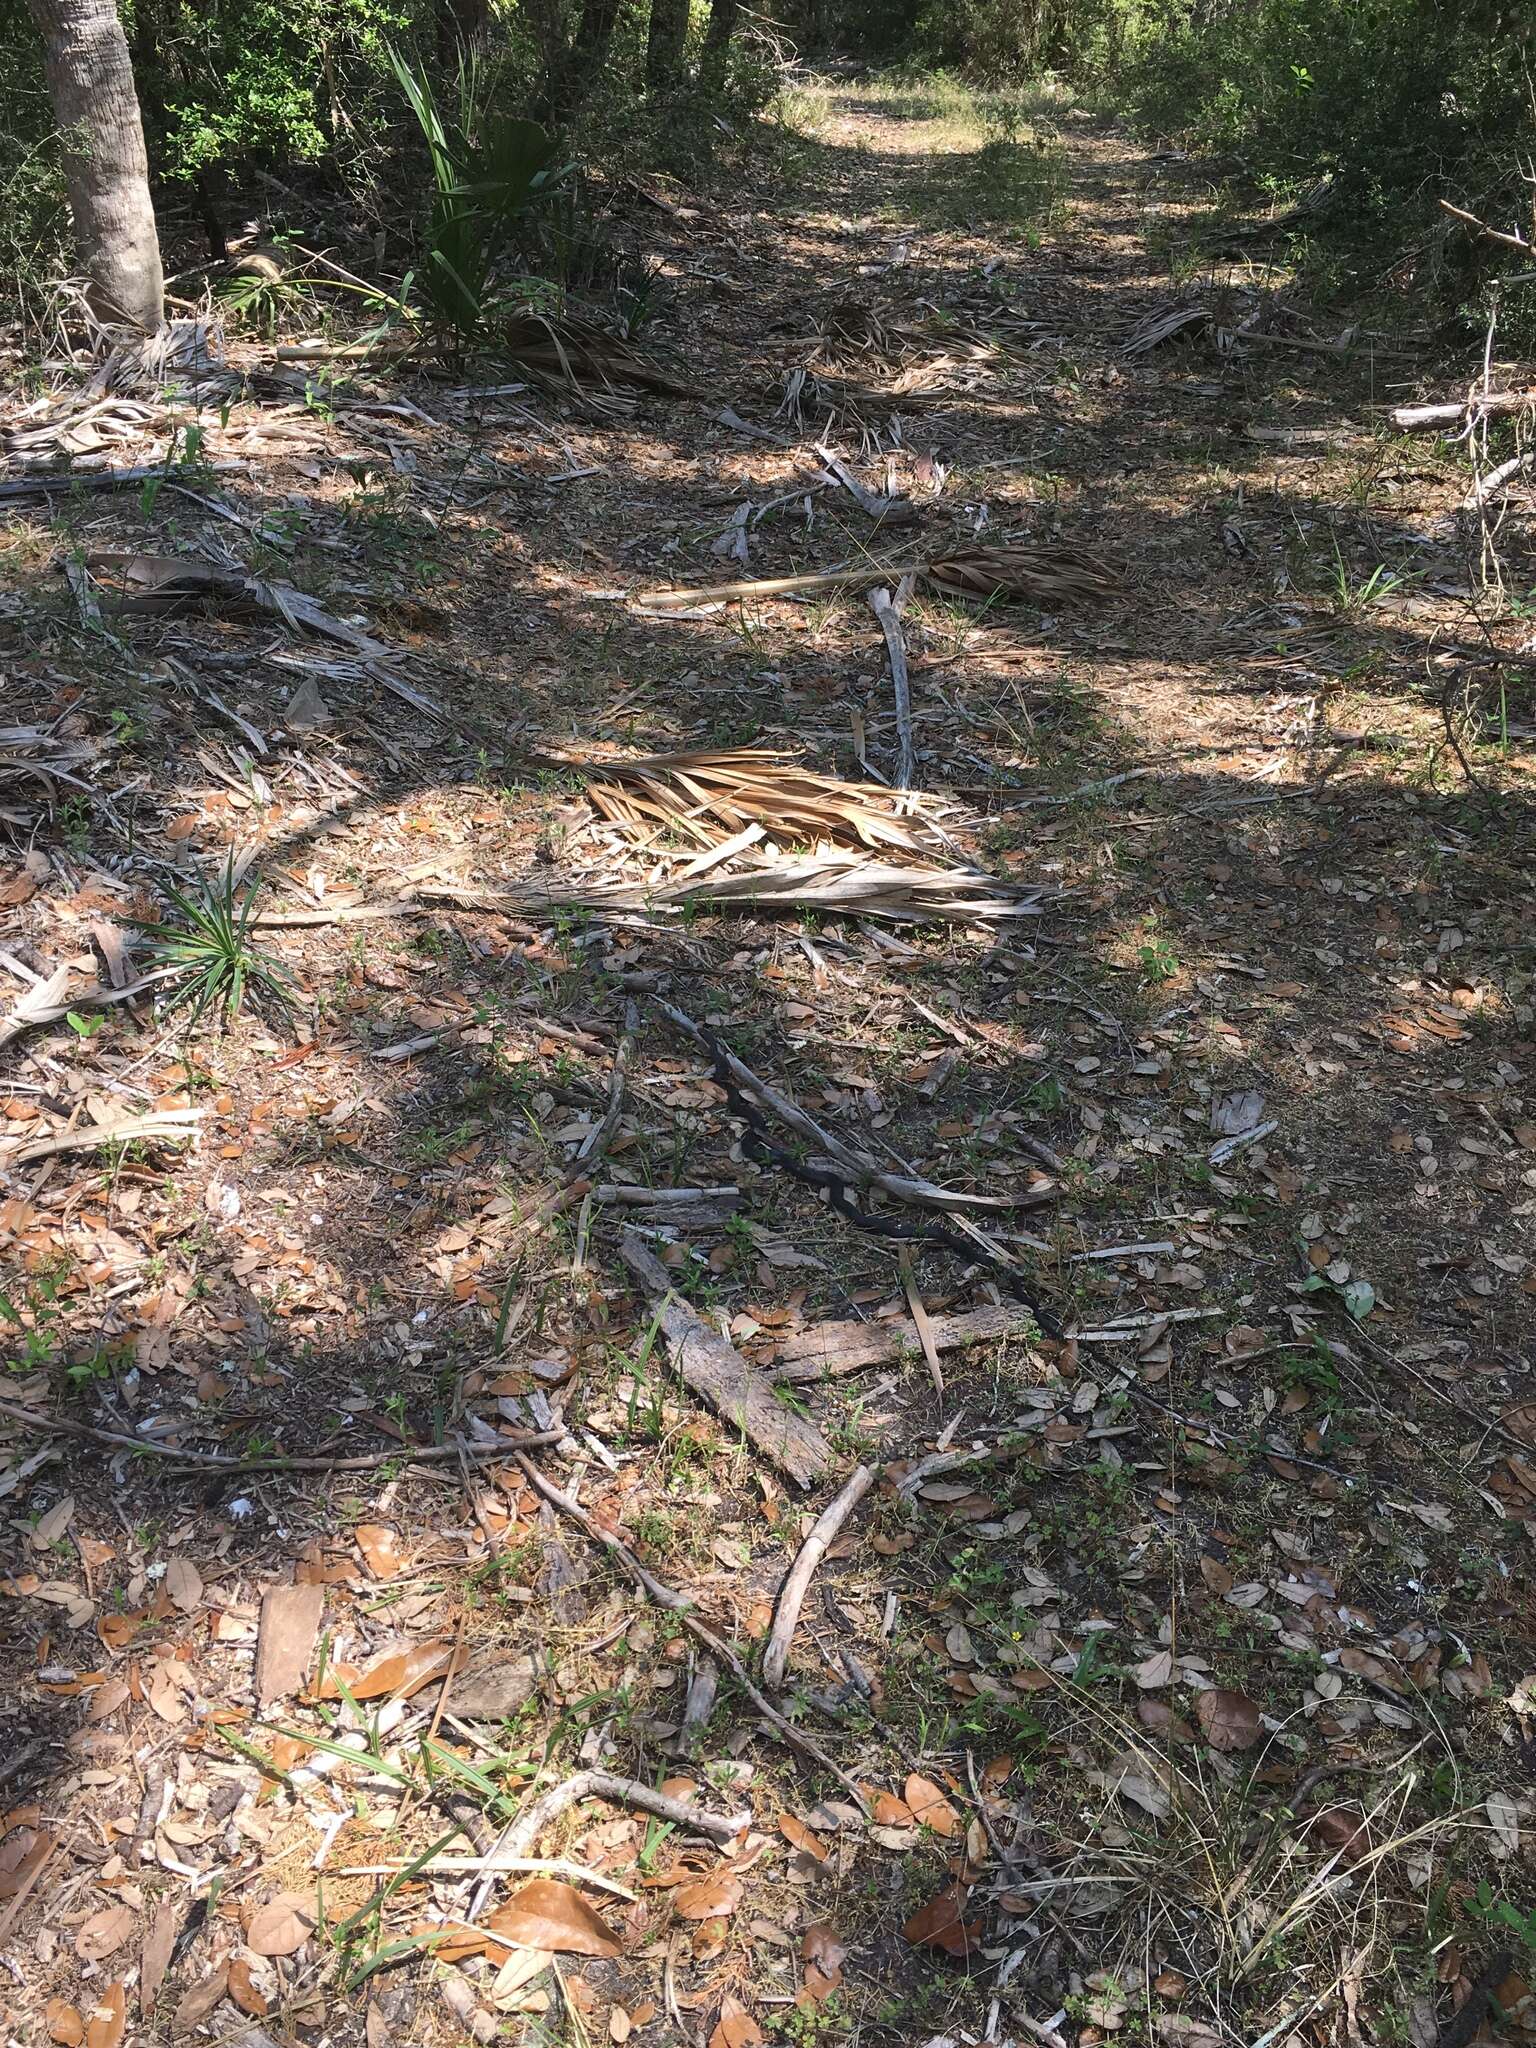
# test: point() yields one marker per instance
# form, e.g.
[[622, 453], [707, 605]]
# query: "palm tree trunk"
[[90, 79]]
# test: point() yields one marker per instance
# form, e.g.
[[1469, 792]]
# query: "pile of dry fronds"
[[1166, 323], [576, 355], [1041, 575], [720, 794], [1037, 575], [850, 329], [838, 883]]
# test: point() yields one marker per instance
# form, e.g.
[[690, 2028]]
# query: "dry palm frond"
[[157, 583], [839, 883], [709, 794], [1041, 575], [31, 755], [584, 357], [1162, 326], [849, 885], [850, 328]]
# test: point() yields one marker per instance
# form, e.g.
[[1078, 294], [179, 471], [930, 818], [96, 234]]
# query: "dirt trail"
[[1242, 1588]]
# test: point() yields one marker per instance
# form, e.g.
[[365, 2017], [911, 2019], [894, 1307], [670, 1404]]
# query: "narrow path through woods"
[[1178, 1670]]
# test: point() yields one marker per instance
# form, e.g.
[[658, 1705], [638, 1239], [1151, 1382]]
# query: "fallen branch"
[[42, 1424], [712, 1366], [594, 1146], [524, 1831], [832, 1348], [1412, 419], [885, 611], [676, 1604], [798, 1578], [492, 1864], [874, 504], [1482, 228], [161, 1123], [1496, 480], [44, 1005], [1039, 575]]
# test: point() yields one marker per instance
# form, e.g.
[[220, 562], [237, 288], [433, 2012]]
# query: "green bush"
[[1395, 99]]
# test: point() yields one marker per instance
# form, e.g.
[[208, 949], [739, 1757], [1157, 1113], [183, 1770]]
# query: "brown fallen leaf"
[[929, 1807], [736, 2027], [183, 1584], [380, 1546], [823, 1956], [393, 1674], [283, 1925], [799, 1836], [545, 1914], [290, 1621], [1228, 1720], [941, 1924], [1343, 1829], [244, 1990], [711, 1898], [106, 2024], [65, 2023], [199, 2002], [155, 1957], [104, 1933], [886, 1810]]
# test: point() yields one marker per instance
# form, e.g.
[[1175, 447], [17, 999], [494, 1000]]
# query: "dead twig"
[[798, 1578], [885, 610], [676, 1604]]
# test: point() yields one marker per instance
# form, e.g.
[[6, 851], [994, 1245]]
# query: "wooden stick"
[[676, 1604], [713, 1367], [895, 647], [922, 1322], [1495, 481], [44, 482], [798, 1578], [778, 586], [493, 1864]]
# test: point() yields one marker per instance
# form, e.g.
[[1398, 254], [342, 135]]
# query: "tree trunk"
[[461, 24], [90, 79], [665, 42], [578, 70], [717, 37]]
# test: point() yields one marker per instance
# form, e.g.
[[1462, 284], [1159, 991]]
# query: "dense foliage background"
[[257, 109]]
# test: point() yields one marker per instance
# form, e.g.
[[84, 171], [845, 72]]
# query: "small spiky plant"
[[210, 938]]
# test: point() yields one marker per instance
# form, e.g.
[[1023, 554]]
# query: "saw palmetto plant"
[[209, 938]]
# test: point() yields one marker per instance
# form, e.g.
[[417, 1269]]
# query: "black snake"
[[761, 1147]]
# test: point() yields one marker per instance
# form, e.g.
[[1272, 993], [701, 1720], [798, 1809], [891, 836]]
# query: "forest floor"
[[1169, 1683]]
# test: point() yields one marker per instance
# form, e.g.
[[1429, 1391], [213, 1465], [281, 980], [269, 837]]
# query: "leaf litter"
[[1164, 1667]]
